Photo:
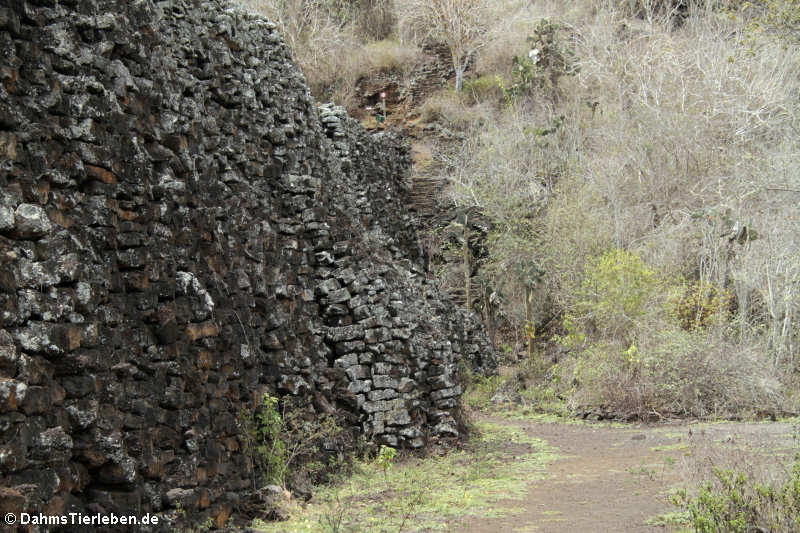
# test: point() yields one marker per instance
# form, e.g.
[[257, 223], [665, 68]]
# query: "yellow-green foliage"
[[386, 457], [632, 356], [483, 88], [618, 294], [702, 304], [781, 16]]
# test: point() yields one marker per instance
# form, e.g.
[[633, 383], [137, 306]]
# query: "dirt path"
[[613, 479]]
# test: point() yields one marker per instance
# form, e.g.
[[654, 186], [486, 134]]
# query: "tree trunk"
[[491, 323], [529, 319], [460, 76]]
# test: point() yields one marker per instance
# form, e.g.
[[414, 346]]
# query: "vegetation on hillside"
[[636, 160]]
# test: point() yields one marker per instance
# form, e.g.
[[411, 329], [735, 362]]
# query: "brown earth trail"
[[613, 479]]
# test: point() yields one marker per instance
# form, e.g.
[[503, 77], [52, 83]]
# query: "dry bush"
[[632, 358], [331, 40], [689, 129], [322, 39], [693, 126], [458, 24], [376, 18], [674, 373], [501, 169], [674, 142], [506, 170], [511, 24], [505, 40], [450, 108], [766, 277], [391, 55]]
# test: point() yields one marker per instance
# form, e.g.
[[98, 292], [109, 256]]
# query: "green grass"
[[481, 390], [428, 493], [678, 446], [670, 520], [536, 405], [528, 414]]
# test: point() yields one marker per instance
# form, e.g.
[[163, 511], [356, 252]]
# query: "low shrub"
[[734, 502], [676, 373], [281, 438], [376, 19], [632, 358], [449, 108], [391, 55], [483, 88], [481, 390]]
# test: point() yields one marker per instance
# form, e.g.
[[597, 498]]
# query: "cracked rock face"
[[182, 230]]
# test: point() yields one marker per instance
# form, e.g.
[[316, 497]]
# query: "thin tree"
[[459, 24]]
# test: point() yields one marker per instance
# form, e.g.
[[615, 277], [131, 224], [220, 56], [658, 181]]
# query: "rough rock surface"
[[182, 229]]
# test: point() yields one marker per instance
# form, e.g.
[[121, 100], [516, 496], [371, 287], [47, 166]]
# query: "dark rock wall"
[[181, 229]]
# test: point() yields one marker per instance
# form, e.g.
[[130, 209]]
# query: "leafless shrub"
[[459, 24], [450, 108], [332, 41], [677, 143]]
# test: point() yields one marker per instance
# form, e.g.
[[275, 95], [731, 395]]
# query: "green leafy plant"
[[386, 458], [547, 61], [618, 293], [733, 502], [279, 437], [263, 428]]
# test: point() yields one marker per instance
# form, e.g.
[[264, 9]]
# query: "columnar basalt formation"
[[181, 230]]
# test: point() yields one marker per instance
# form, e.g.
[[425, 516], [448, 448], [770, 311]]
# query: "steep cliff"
[[182, 230]]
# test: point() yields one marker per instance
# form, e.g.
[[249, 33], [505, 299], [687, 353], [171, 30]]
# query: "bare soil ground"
[[613, 479]]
